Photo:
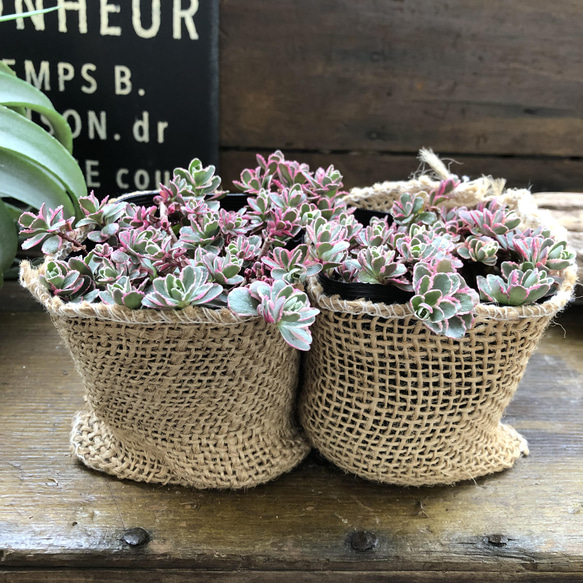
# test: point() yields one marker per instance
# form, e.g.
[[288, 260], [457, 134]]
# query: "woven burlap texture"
[[390, 401], [195, 397]]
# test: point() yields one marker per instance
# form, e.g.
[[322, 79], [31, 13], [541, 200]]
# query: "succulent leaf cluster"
[[278, 303], [443, 301], [515, 287], [186, 250], [448, 259]]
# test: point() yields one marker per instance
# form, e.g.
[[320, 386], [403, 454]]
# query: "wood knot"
[[362, 541]]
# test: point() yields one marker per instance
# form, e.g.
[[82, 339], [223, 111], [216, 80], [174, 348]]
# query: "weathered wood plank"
[[567, 209], [366, 168], [464, 77], [178, 576], [54, 513], [12, 299]]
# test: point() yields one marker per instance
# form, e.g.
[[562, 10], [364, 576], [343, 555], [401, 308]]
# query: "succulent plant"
[[196, 180], [409, 209], [123, 292], [443, 301], [479, 249], [376, 233], [203, 232], [185, 249], [379, 265], [49, 227], [443, 191], [292, 266], [224, 270], [491, 221], [515, 287], [423, 248], [329, 242], [279, 304], [65, 282], [537, 250], [420, 244], [189, 288]]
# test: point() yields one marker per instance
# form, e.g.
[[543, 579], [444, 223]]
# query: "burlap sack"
[[388, 400], [196, 397]]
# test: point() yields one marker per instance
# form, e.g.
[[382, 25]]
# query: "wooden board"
[[62, 522], [462, 77], [567, 209]]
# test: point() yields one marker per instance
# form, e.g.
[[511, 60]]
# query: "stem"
[[265, 248], [76, 245]]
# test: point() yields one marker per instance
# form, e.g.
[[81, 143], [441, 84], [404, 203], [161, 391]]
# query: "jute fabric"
[[180, 397], [390, 401]]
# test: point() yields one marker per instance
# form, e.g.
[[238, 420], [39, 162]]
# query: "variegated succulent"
[[278, 303], [515, 287], [443, 301], [447, 258], [185, 250]]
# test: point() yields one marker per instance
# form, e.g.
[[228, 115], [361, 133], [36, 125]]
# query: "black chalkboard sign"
[[137, 80]]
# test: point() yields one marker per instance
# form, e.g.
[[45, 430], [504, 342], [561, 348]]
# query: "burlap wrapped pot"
[[390, 401], [196, 397]]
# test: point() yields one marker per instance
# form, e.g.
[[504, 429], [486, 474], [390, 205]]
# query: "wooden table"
[[62, 522]]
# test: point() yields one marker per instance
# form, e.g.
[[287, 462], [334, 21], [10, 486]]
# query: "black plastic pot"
[[387, 294], [143, 198], [364, 216], [232, 202]]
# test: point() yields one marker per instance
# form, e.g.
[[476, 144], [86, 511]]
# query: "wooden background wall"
[[363, 84]]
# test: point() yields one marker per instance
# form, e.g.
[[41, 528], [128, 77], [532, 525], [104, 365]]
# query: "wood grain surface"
[[460, 76], [497, 85], [62, 522], [367, 168]]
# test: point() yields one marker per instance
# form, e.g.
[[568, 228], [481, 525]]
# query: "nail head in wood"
[[135, 537]]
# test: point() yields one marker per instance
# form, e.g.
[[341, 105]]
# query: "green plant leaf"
[[241, 302], [15, 92], [8, 17], [8, 240], [25, 138], [13, 211], [23, 180]]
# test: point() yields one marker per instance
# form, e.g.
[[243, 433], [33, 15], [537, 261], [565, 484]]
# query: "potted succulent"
[[410, 389], [185, 320]]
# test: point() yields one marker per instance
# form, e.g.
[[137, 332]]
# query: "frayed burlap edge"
[[29, 278], [95, 445]]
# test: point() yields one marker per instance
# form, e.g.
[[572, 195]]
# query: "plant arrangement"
[[447, 258], [186, 250], [429, 314], [183, 318]]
